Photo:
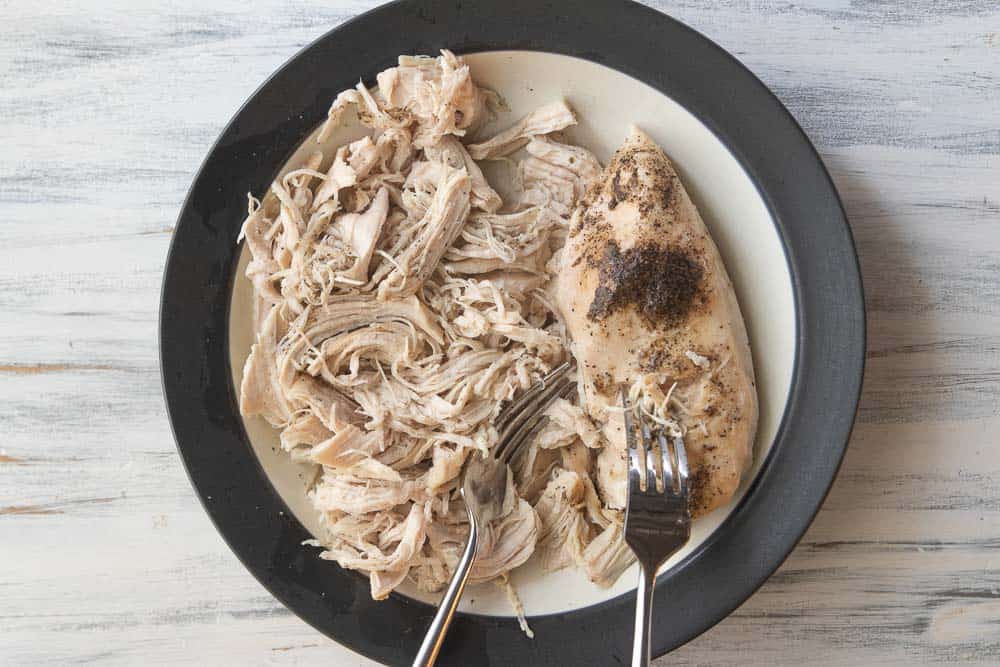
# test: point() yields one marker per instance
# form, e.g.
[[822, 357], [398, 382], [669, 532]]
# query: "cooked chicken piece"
[[565, 531], [395, 147], [347, 447], [352, 164], [450, 151], [533, 263], [549, 118], [447, 464], [445, 542], [555, 436], [518, 284], [363, 156], [577, 458], [555, 175], [648, 303], [262, 266], [384, 342], [261, 392], [607, 556], [406, 84], [438, 228], [567, 423], [507, 543], [340, 175], [438, 93], [388, 570], [533, 469], [384, 582], [548, 185], [370, 113], [343, 493], [426, 175], [578, 161], [292, 222], [361, 231], [299, 180], [349, 312], [332, 408], [509, 540], [304, 429], [418, 194], [506, 237]]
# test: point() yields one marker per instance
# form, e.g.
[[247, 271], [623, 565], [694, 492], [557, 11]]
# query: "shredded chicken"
[[544, 120], [401, 302]]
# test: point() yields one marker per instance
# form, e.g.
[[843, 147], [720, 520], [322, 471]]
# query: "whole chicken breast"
[[649, 306]]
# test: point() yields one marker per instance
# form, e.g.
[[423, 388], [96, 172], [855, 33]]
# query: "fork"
[[657, 517], [484, 485]]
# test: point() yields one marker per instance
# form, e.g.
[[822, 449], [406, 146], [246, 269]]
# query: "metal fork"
[[484, 485], [657, 517]]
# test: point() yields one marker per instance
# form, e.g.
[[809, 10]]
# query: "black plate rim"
[[471, 629]]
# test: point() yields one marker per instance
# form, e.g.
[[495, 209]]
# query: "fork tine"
[[667, 461], [634, 466], [549, 390], [682, 464], [533, 423], [647, 452], [517, 407]]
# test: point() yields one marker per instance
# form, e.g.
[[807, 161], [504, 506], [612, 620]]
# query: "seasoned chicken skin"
[[649, 306]]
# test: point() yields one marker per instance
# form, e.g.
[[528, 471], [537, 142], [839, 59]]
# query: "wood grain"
[[108, 108]]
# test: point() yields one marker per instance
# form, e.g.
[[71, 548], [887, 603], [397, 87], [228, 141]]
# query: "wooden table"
[[108, 108]]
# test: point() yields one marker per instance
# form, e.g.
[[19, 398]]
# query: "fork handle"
[[431, 645], [643, 616]]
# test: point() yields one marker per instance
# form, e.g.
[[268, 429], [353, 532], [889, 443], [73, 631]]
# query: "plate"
[[765, 196]]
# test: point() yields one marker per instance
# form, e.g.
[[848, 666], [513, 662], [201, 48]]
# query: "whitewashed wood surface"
[[106, 110]]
